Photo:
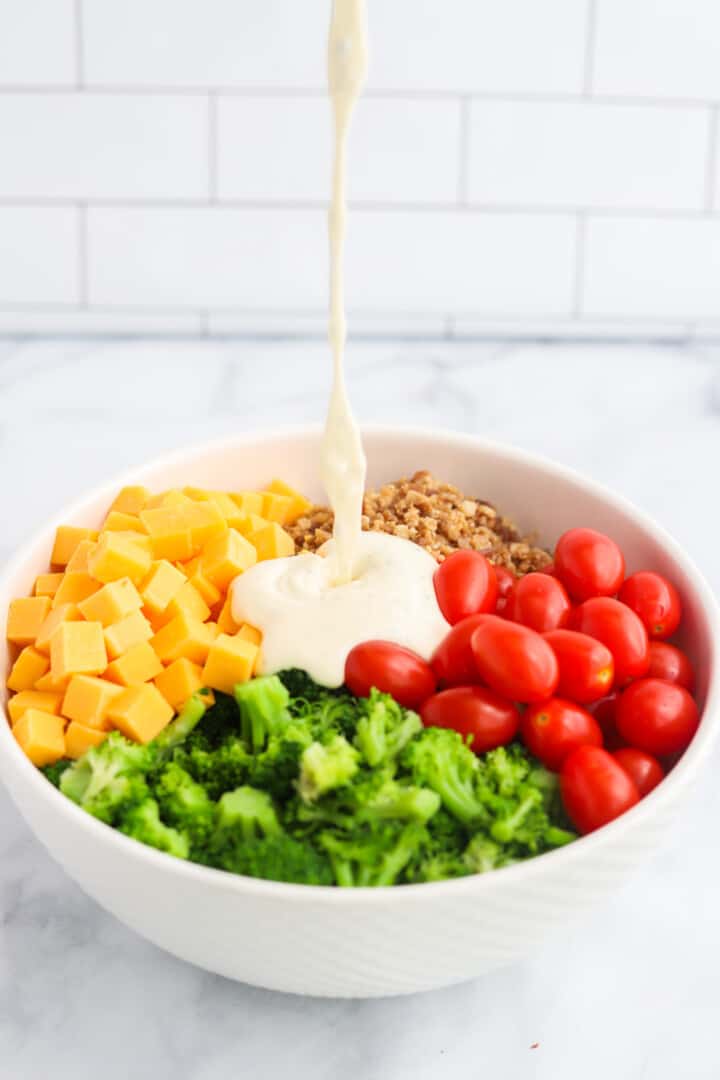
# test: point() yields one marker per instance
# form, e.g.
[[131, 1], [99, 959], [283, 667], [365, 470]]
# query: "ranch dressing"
[[313, 609]]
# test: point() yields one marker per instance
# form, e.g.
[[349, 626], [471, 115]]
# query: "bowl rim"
[[527, 869]]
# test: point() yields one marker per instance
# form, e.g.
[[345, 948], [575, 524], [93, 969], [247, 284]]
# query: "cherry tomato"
[[514, 660], [391, 668], [655, 601], [552, 729], [473, 711], [620, 629], [669, 663], [595, 789], [605, 712], [643, 769], [465, 584], [589, 564], [453, 661], [549, 569], [540, 602], [586, 665], [657, 716], [505, 581]]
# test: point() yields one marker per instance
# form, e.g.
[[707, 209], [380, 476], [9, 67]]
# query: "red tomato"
[[465, 584], [552, 729], [391, 668], [644, 770], [473, 711], [655, 601], [586, 665], [669, 663], [589, 564], [540, 602], [549, 569], [605, 712], [620, 629], [595, 789], [505, 580], [657, 716], [514, 660], [453, 661]]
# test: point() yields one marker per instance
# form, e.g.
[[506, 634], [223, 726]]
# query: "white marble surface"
[[632, 992]]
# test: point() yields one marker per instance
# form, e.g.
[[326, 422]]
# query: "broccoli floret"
[[374, 856], [219, 770], [54, 772], [325, 766], [263, 705], [371, 797], [109, 777], [384, 728], [483, 854], [439, 759], [142, 822], [277, 768], [179, 729], [300, 685], [277, 858], [185, 804], [249, 813], [221, 721]]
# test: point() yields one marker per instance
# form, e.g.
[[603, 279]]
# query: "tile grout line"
[[711, 163], [589, 61], [463, 151], [82, 268], [579, 277], [78, 28], [212, 148]]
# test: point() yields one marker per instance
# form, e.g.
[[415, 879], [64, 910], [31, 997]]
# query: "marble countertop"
[[633, 991]]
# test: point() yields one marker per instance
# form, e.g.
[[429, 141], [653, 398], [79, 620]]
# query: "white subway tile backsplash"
[[280, 148], [657, 48], [63, 323], [39, 257], [662, 267], [89, 146], [37, 42], [588, 154]]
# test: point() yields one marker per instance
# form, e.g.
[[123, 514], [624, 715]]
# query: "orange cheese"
[[75, 586], [160, 586], [226, 557], [130, 500], [47, 684], [250, 502], [272, 542], [180, 681], [183, 636], [112, 602], [188, 601], [169, 533], [118, 555], [117, 521], [79, 558], [127, 632], [25, 617], [205, 521], [87, 700], [226, 623], [77, 648], [140, 712], [67, 538], [32, 699], [64, 613], [209, 592], [138, 665], [47, 584], [230, 660], [79, 738], [41, 735], [30, 666], [300, 505]]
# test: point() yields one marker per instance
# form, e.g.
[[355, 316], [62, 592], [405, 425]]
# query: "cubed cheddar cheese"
[[169, 533], [183, 637], [252, 524], [138, 665], [277, 507], [112, 602], [79, 738], [180, 681], [67, 538], [205, 521], [47, 584], [32, 699], [29, 666], [117, 521], [140, 712], [130, 500], [58, 615], [75, 586], [127, 632], [250, 502], [226, 623], [230, 661], [209, 592], [272, 542], [300, 505], [25, 617], [226, 557], [80, 556], [77, 648], [87, 700], [187, 601], [228, 508], [118, 556], [160, 586], [48, 684], [41, 736], [253, 635]]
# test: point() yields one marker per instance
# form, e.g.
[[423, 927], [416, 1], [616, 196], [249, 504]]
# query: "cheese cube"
[[30, 666], [138, 665], [25, 617], [160, 586], [139, 539], [63, 613], [79, 558], [117, 521], [230, 660], [47, 584], [250, 633], [226, 623], [187, 600], [67, 538], [75, 586], [226, 557], [300, 505], [169, 533], [228, 508], [252, 524], [130, 500], [209, 592], [129, 631], [79, 738], [87, 700], [174, 497], [77, 648], [277, 507], [32, 699], [205, 521], [112, 602], [250, 502], [117, 556], [179, 681], [140, 713], [41, 736], [48, 684], [183, 636], [272, 542]]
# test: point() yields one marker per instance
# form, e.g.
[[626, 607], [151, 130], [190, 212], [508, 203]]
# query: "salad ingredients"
[[483, 718], [589, 564], [657, 716], [586, 665], [454, 661], [669, 663], [605, 712], [539, 601], [616, 626], [595, 788], [390, 668], [655, 601], [465, 584], [645, 770], [552, 729], [513, 660]]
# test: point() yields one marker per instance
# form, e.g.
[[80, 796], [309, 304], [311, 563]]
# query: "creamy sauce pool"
[[313, 609]]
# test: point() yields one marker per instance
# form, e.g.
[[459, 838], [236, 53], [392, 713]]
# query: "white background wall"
[[516, 166]]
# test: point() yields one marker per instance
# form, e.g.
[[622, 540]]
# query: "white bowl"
[[370, 942]]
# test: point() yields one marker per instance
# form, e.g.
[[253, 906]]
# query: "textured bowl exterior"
[[370, 942]]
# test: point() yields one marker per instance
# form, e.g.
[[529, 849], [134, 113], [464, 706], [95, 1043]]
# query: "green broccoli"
[[249, 813], [325, 766], [384, 728], [185, 804], [54, 772], [108, 778], [221, 769], [277, 858], [370, 797], [263, 705], [439, 759], [372, 857], [142, 822], [178, 730]]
